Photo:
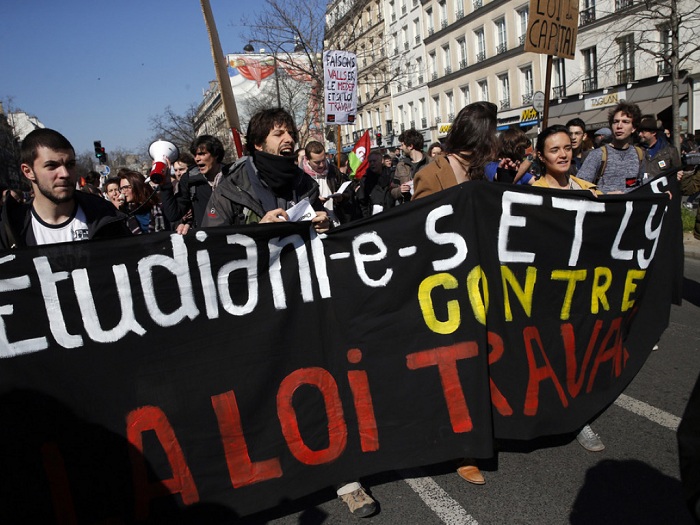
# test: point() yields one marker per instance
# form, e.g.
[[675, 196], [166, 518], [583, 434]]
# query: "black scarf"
[[280, 173]]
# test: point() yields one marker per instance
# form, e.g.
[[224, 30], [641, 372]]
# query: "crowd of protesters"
[[261, 187]]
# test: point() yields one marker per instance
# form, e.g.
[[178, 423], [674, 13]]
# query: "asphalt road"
[[635, 480]]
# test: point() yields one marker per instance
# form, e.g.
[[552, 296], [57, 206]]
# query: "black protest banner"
[[242, 366]]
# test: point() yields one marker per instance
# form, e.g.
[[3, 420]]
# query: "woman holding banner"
[[469, 146], [554, 151]]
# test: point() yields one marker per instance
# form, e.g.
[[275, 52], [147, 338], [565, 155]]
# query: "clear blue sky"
[[97, 70]]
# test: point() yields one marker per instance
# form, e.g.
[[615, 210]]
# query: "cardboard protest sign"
[[340, 86], [238, 367], [552, 28]]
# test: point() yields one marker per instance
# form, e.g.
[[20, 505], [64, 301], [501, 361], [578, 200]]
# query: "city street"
[[634, 480]]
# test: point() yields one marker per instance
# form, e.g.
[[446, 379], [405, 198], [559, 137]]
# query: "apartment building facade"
[[462, 51]]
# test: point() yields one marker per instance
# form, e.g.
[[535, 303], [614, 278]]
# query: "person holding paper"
[[261, 187], [333, 185]]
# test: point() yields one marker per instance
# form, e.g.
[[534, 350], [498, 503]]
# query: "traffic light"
[[100, 152], [378, 136]]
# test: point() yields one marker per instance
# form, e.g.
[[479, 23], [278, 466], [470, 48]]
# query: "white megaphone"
[[159, 150]]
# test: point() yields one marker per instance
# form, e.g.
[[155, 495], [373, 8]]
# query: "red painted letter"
[[152, 418], [573, 384], [537, 375], [337, 429], [240, 468], [366, 422], [446, 357], [615, 353], [497, 398]]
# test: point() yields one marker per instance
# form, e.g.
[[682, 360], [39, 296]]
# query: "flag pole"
[[222, 77]]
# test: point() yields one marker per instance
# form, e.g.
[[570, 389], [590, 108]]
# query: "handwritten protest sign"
[[340, 86], [552, 27], [239, 367]]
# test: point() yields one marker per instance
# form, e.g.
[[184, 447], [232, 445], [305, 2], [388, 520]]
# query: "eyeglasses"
[[125, 187]]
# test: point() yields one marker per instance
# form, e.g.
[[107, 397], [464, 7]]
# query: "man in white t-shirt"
[[58, 213]]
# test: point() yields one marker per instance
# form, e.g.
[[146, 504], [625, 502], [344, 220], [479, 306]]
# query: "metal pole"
[[547, 91]]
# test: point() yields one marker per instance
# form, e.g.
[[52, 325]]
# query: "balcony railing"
[[399, 88], [559, 91], [527, 99], [386, 90], [434, 75], [587, 16], [403, 9], [405, 45], [480, 57], [393, 17], [413, 124], [623, 4], [625, 75], [431, 31], [463, 63], [424, 123], [450, 117], [459, 14], [420, 79], [477, 4], [663, 68], [443, 23], [522, 40], [417, 39], [501, 48], [448, 70], [396, 51], [590, 84], [403, 127], [409, 83], [505, 104], [438, 119]]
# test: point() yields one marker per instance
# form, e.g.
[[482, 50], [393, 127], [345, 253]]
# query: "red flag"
[[358, 156]]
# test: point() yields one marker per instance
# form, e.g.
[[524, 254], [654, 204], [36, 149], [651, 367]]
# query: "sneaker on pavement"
[[590, 440], [360, 503]]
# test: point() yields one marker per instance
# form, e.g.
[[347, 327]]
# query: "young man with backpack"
[[615, 167]]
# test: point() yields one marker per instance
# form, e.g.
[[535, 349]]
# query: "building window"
[[432, 61], [450, 106], [443, 14], [483, 90], [429, 21], [623, 4], [527, 84], [436, 109], [466, 96], [480, 44], [501, 38], [625, 61], [523, 19], [590, 69], [504, 88], [421, 113], [459, 9], [587, 15], [462, 44], [663, 66], [559, 89], [419, 69], [446, 59], [416, 30]]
